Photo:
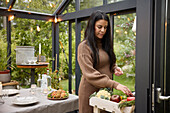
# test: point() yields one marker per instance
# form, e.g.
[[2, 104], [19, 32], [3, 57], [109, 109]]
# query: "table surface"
[[43, 106]]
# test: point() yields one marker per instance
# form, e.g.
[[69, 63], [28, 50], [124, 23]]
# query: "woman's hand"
[[124, 89], [118, 71]]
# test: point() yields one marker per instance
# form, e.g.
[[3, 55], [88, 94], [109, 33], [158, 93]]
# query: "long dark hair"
[[106, 40]]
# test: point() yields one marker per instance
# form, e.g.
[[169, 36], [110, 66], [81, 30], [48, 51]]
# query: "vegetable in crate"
[[125, 103], [130, 98], [115, 98], [130, 101], [103, 93]]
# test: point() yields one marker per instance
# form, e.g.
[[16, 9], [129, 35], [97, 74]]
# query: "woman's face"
[[100, 28]]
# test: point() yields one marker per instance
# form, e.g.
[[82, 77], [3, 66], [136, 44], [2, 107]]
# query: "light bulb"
[[38, 28], [55, 20]]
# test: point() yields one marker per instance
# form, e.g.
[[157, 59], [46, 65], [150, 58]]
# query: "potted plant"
[[4, 72]]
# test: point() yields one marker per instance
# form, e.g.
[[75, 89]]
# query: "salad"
[[59, 94]]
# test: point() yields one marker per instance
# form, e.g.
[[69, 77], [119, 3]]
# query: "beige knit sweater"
[[93, 78]]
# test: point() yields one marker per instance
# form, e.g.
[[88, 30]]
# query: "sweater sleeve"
[[92, 75], [113, 68]]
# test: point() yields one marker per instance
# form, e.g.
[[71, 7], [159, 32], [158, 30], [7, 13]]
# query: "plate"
[[57, 98], [25, 100], [10, 91], [61, 94]]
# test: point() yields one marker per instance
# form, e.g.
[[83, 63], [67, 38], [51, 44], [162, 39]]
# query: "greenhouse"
[[45, 69]]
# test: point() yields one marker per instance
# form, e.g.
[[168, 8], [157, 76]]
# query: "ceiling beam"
[[26, 14], [122, 7], [62, 7], [117, 7]]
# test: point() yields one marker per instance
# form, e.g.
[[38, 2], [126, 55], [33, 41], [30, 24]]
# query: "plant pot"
[[5, 76]]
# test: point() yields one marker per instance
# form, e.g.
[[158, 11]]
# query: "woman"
[[97, 60]]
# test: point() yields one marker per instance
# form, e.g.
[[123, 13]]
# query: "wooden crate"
[[102, 104]]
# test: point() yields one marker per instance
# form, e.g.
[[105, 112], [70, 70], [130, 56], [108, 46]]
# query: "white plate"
[[25, 100], [10, 91]]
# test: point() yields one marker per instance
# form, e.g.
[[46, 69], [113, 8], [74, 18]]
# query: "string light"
[[117, 31], [55, 20], [51, 5], [7, 0], [29, 0], [125, 32], [50, 20], [58, 20], [9, 9], [38, 28], [11, 18], [31, 29], [118, 16]]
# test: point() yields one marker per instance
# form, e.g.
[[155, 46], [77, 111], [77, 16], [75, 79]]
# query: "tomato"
[[130, 98]]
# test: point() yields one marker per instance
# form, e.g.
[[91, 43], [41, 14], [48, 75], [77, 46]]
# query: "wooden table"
[[32, 67]]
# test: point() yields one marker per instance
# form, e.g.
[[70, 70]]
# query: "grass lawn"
[[64, 84], [129, 82]]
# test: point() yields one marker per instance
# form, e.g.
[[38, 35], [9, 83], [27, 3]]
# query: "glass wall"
[[3, 43], [27, 32], [124, 48]]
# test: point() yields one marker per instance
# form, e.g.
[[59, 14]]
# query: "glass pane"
[[27, 32], [63, 37], [3, 44], [71, 7], [85, 4], [83, 28], [113, 1], [124, 47], [63, 50], [42, 6], [4, 3]]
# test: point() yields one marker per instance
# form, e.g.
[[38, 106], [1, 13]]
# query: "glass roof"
[[49, 6], [113, 1], [4, 3], [70, 8], [42, 6], [85, 4]]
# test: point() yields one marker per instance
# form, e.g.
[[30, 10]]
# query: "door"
[[161, 60]]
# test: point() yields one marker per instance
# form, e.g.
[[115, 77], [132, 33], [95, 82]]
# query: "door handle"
[[160, 97]]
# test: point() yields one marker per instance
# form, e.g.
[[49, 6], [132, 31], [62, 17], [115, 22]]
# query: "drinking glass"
[[29, 60], [5, 93], [45, 91], [34, 59], [33, 88]]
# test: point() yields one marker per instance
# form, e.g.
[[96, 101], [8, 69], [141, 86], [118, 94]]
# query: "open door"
[[161, 63]]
